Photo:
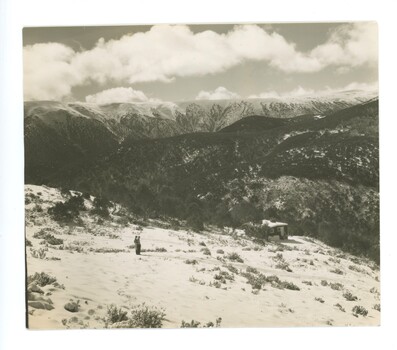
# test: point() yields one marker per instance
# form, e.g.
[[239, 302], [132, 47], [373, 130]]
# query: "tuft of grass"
[[340, 307], [191, 324], [320, 300], [155, 250], [108, 250], [38, 253], [196, 324], [283, 265], [220, 251], [324, 283], [376, 307]]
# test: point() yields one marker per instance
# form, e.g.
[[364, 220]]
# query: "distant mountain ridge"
[[164, 119]]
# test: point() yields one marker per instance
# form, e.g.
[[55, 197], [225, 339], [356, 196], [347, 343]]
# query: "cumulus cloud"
[[349, 45], [166, 52], [220, 93], [120, 95], [48, 71]]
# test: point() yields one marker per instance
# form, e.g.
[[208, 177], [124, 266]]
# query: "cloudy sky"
[[189, 62]]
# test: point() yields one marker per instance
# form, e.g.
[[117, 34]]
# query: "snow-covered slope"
[[190, 276]]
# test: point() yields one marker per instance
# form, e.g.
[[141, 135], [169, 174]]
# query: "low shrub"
[[336, 286], [191, 324], [234, 257], [255, 280], [360, 310], [340, 307], [215, 284], [376, 307], [220, 251], [107, 250], [334, 260], [356, 269], [349, 296], [232, 269], [191, 262], [283, 265], [205, 251], [288, 285], [42, 279], [115, 314], [273, 279], [156, 250], [337, 271], [250, 269], [40, 253], [50, 239], [222, 276], [144, 316], [196, 324]]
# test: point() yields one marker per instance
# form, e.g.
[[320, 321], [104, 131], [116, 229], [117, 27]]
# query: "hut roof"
[[273, 224]]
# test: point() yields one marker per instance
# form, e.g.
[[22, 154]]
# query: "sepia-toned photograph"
[[202, 175]]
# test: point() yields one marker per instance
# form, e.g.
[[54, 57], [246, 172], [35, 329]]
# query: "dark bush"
[[101, 207], [67, 212]]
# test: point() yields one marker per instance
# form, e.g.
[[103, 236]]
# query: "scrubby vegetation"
[[196, 324], [42, 279], [234, 257], [360, 310], [68, 212], [115, 314], [141, 316], [349, 296], [144, 316]]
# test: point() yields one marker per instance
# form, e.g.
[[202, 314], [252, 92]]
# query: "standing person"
[[137, 242]]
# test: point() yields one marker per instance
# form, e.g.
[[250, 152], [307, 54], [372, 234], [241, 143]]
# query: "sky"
[[192, 62]]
